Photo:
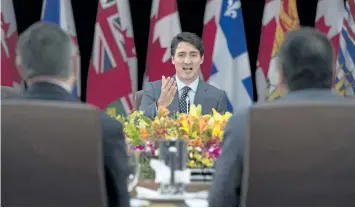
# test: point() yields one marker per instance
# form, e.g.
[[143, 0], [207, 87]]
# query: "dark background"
[[191, 17]]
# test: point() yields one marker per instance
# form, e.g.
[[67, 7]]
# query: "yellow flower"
[[216, 115], [217, 131], [185, 125], [191, 164], [195, 111], [111, 112], [207, 162]]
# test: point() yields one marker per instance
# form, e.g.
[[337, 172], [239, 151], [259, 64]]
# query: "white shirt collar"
[[193, 85]]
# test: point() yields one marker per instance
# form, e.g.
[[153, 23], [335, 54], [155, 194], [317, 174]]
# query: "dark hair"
[[306, 58], [188, 37]]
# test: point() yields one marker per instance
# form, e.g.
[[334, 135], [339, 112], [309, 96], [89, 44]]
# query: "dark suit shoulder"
[[110, 126]]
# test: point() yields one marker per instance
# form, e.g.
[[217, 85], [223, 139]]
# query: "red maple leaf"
[[324, 28], [9, 73], [156, 68], [129, 44], [209, 36], [166, 7]]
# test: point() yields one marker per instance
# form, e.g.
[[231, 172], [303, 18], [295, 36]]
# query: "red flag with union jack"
[[280, 17], [9, 74], [109, 83], [164, 25]]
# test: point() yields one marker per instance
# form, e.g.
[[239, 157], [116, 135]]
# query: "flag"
[[330, 21], [230, 67], [164, 25], [127, 30], [345, 73], [60, 12], [210, 22], [9, 74], [280, 17], [109, 79]]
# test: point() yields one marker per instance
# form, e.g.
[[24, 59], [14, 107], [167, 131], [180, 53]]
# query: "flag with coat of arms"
[[110, 75], [60, 12], [345, 73], [229, 66], [279, 18], [9, 74]]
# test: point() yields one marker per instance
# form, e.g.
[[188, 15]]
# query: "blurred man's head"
[[45, 51], [306, 60], [187, 56]]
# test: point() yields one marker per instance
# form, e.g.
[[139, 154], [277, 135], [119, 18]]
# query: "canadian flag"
[[164, 25], [9, 74], [210, 22], [329, 21]]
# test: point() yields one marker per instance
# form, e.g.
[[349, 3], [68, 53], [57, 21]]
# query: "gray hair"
[[307, 59], [44, 49]]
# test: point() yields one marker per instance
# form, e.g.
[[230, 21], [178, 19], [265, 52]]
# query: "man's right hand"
[[168, 91]]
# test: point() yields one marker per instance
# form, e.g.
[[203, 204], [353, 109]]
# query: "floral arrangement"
[[203, 133]]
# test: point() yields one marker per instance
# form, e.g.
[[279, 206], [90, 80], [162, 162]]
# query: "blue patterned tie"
[[182, 103]]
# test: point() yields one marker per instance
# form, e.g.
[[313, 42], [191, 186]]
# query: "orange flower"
[[163, 112], [144, 133], [202, 125], [197, 142]]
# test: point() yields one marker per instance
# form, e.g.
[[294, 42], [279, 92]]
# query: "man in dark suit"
[[46, 60], [306, 72], [177, 93]]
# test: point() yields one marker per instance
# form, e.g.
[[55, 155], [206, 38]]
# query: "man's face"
[[187, 61]]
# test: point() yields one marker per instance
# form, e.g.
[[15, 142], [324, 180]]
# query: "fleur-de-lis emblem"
[[232, 7]]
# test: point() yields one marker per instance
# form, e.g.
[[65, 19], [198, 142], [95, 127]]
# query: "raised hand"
[[168, 91]]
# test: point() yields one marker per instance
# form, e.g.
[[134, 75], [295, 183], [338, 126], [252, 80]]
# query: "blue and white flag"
[[345, 75], [230, 68], [60, 12]]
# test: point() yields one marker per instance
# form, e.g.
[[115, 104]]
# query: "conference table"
[[149, 184]]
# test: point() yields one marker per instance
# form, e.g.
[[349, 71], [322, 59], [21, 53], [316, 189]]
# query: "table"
[[192, 187]]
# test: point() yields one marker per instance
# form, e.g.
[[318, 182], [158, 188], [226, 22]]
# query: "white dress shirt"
[[190, 98], [192, 92]]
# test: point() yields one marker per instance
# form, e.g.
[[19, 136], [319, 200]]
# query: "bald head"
[[306, 59], [44, 49]]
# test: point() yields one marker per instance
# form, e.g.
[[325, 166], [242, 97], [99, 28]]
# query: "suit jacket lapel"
[[200, 94]]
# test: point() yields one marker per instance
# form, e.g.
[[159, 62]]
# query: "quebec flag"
[[60, 12], [230, 68]]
